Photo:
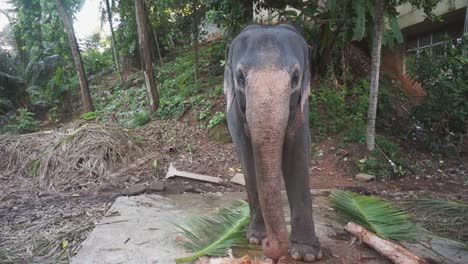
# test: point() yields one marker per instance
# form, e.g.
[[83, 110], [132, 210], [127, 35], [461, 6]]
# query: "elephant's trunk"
[[267, 111]]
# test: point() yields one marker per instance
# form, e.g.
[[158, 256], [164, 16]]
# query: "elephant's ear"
[[305, 89], [228, 82]]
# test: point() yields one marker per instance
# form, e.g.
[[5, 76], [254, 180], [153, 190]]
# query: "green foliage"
[[330, 28], [189, 148], [386, 161], [122, 104], [390, 148], [177, 89], [376, 215], [42, 51], [88, 115], [140, 118], [98, 56], [55, 89], [336, 109], [359, 19], [396, 31], [176, 83], [228, 15], [443, 72], [213, 235], [5, 105], [170, 106], [22, 123], [216, 119]]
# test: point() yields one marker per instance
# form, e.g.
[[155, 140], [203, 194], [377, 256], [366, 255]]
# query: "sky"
[[87, 22]]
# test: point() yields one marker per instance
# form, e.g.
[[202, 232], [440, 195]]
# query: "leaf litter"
[[57, 184]]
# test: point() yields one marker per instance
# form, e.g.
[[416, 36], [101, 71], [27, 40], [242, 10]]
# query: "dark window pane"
[[412, 43], [425, 40], [438, 37]]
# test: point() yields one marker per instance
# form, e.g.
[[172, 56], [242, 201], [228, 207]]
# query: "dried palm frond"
[[83, 156], [213, 235], [376, 215], [68, 158], [446, 217]]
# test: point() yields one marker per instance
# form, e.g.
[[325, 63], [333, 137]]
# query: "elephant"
[[266, 85]]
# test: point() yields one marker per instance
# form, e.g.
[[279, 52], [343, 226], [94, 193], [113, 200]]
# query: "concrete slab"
[[138, 230]]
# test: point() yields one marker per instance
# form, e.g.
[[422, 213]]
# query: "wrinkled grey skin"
[[266, 83]]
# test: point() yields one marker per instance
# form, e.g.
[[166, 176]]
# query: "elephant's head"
[[267, 79]]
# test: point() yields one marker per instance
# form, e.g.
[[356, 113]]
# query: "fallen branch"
[[396, 253]]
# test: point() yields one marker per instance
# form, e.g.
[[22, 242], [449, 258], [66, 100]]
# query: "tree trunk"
[[67, 22], [145, 51], [195, 38], [114, 46], [157, 46], [375, 70]]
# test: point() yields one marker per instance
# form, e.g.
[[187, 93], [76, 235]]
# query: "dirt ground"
[[35, 222]]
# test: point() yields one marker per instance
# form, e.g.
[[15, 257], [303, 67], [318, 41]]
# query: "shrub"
[[22, 123], [140, 118], [337, 109], [385, 161], [443, 72]]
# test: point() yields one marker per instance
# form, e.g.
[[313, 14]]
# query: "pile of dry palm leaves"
[[70, 159], [17, 150]]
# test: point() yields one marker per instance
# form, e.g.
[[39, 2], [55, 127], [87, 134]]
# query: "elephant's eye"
[[240, 79], [295, 79]]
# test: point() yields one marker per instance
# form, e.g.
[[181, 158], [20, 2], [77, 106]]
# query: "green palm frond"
[[212, 235], [376, 215]]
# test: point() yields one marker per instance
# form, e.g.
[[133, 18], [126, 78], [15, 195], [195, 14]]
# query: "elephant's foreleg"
[[303, 243], [256, 231]]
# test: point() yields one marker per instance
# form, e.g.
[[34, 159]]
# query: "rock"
[[134, 179], [134, 190], [320, 192], [364, 177], [214, 194], [188, 188], [238, 179], [156, 186]]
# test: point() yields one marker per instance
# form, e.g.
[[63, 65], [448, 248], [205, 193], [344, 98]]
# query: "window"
[[431, 39]]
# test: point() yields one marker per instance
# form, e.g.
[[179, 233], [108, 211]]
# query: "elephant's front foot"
[[256, 232], [307, 251]]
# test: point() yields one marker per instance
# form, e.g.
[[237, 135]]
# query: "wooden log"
[[173, 172], [396, 253]]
